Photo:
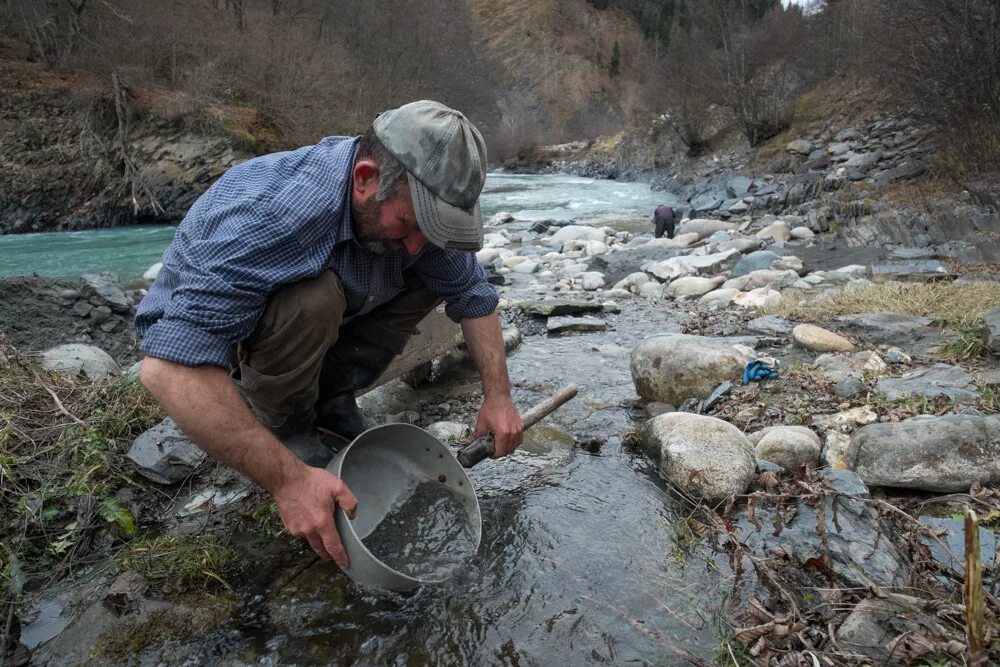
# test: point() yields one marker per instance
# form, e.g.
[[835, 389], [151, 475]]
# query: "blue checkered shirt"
[[274, 220]]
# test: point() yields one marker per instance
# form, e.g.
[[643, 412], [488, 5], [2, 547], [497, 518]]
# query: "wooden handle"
[[484, 447]]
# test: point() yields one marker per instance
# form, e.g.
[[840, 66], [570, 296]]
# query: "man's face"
[[389, 225]]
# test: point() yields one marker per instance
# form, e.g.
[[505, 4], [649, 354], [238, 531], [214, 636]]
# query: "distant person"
[[664, 218]]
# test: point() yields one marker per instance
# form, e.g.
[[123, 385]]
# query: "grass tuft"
[[183, 562]]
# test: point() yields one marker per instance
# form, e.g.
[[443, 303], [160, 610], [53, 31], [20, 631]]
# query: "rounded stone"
[[670, 368], [76, 358], [704, 457], [789, 446], [818, 339]]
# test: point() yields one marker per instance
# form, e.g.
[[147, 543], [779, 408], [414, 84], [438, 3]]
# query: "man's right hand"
[[306, 503]]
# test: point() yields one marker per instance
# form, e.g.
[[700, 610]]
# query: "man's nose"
[[414, 242]]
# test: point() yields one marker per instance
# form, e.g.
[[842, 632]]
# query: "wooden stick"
[[546, 407], [974, 626]]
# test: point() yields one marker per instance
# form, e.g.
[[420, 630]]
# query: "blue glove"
[[759, 369]]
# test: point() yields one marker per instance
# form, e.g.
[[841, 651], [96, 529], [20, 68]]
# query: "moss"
[[123, 641]]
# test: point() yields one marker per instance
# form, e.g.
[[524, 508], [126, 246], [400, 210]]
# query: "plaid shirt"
[[274, 220]]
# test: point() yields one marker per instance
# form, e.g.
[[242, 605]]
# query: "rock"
[[105, 288], [691, 286], [738, 186], [846, 421], [591, 280], [943, 454], [817, 339], [739, 207], [876, 622], [890, 328], [450, 433], [849, 134], [499, 218], [75, 358], [947, 545], [125, 591], [835, 450], [989, 378], [486, 256], [789, 446], [743, 245], [704, 457], [894, 355], [911, 271], [840, 367], [764, 278], [777, 231], [560, 307], [843, 532], [803, 234], [770, 324], [705, 227], [799, 146], [133, 370], [913, 253], [655, 409], [617, 265], [387, 399], [525, 267], [705, 203], [944, 380], [675, 267], [754, 261], [495, 240], [164, 454], [849, 388], [719, 297], [632, 282], [152, 272], [991, 330], [82, 308], [762, 297], [577, 233], [673, 367], [561, 324]]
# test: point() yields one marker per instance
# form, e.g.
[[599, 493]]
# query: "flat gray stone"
[[559, 324], [705, 203], [560, 307], [938, 380], [164, 454], [105, 287], [911, 271], [876, 622], [754, 261], [738, 186], [942, 454], [948, 548], [890, 328], [770, 324], [851, 534], [913, 253]]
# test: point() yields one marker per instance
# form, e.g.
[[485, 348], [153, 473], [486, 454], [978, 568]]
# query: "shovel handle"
[[484, 447]]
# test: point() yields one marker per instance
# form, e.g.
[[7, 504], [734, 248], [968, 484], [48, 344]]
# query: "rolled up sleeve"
[[460, 281]]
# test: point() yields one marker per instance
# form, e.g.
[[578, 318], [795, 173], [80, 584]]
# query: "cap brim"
[[446, 226]]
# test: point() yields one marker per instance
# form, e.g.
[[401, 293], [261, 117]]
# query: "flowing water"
[[129, 251], [427, 536], [579, 564]]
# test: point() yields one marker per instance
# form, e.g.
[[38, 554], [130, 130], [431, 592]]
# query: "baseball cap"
[[445, 160]]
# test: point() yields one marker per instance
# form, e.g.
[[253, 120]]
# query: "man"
[[664, 217], [297, 277]]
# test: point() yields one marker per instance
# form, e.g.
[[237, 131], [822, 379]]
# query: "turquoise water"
[[129, 251]]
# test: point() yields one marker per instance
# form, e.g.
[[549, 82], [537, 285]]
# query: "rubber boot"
[[352, 364]]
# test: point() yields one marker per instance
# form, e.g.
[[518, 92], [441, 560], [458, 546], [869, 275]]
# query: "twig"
[[62, 408]]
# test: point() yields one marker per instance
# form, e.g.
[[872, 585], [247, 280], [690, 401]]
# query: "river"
[[579, 563], [129, 251]]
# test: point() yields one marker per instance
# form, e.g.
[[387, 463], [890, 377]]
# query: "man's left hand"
[[500, 417]]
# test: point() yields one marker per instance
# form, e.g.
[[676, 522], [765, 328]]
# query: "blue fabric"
[[758, 370], [274, 220]]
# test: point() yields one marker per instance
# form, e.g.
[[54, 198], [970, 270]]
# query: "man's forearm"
[[209, 409], [484, 339]]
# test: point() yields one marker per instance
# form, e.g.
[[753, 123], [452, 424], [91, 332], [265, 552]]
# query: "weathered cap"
[[445, 159]]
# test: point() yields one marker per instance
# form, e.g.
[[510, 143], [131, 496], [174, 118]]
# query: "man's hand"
[[499, 416], [306, 502]]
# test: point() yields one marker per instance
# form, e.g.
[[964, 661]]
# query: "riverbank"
[[632, 321]]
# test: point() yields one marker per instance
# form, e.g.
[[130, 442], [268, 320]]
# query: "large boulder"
[[763, 278], [691, 286], [777, 231], [670, 368], [577, 233], [705, 227], [704, 457], [943, 454], [164, 454], [75, 358]]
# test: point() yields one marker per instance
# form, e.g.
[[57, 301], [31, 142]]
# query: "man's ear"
[[365, 179]]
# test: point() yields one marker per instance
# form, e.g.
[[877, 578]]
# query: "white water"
[[129, 251]]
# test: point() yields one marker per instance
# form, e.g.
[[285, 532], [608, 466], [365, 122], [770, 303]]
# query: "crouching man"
[[296, 279]]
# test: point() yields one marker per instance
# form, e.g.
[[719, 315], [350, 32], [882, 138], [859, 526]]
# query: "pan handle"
[[484, 447]]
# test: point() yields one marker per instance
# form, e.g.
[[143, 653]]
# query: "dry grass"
[[955, 307]]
